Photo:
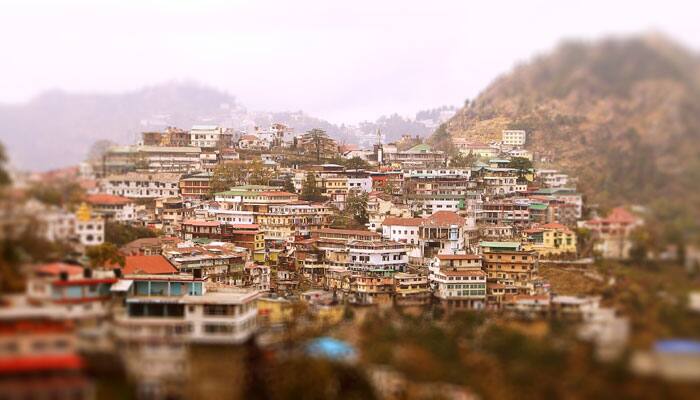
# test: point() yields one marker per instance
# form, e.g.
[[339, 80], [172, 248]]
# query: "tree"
[[309, 189], [522, 164], [356, 206], [356, 163], [463, 161], [288, 185], [105, 254], [4, 175], [120, 234], [441, 140], [99, 149], [64, 193], [258, 173], [317, 137], [227, 175]]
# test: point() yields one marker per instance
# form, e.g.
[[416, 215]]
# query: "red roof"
[[58, 267], [556, 225], [249, 137], [245, 226], [147, 265], [445, 218], [402, 221], [357, 232], [199, 222], [39, 363], [19, 327], [618, 215], [621, 215], [104, 198]]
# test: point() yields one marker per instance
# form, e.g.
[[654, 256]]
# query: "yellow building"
[[550, 239], [274, 312]]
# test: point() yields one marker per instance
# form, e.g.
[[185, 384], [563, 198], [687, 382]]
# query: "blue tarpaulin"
[[328, 347]]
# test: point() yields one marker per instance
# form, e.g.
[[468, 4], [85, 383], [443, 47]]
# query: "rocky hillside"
[[621, 114]]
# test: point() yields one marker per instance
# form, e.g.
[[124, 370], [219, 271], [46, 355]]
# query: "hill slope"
[[621, 114]]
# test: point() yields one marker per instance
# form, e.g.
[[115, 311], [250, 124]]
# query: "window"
[[218, 329]]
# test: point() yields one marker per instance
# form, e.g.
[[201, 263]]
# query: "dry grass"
[[569, 281]]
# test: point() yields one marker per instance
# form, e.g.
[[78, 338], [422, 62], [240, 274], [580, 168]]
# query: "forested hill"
[[621, 114]]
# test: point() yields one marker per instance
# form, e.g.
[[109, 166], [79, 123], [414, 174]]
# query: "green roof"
[[555, 190], [254, 188], [420, 148], [538, 206]]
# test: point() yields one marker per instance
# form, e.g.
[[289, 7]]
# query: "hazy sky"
[[341, 60]]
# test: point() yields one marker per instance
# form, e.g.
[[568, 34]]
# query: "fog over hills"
[[621, 114], [57, 128]]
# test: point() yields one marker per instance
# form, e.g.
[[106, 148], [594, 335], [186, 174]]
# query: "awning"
[[123, 285]]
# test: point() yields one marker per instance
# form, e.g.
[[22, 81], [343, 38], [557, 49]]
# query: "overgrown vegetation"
[[121, 234]]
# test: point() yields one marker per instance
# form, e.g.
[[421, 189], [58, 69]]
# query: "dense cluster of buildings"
[[227, 262]]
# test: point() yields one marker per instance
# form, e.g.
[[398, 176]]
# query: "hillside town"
[[211, 237]]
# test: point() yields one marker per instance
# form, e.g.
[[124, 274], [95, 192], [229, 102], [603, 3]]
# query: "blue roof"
[[677, 346], [328, 347]]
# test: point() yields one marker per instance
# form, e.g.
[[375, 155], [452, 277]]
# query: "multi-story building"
[[509, 212], [461, 288], [500, 181], [565, 195], [167, 159], [458, 280], [481, 150], [379, 258], [221, 264], [195, 186], [142, 185], [210, 136], [89, 228], [515, 138], [411, 289], [281, 223], [111, 207], [164, 314], [418, 156], [612, 233], [371, 289], [169, 213], [39, 354], [496, 232], [80, 293], [171, 137], [517, 267], [552, 178], [359, 181], [550, 239]]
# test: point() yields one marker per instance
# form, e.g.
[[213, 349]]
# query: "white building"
[[515, 138], [552, 178], [208, 136], [381, 258], [142, 185], [163, 314], [404, 230], [234, 217], [116, 208], [458, 281]]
